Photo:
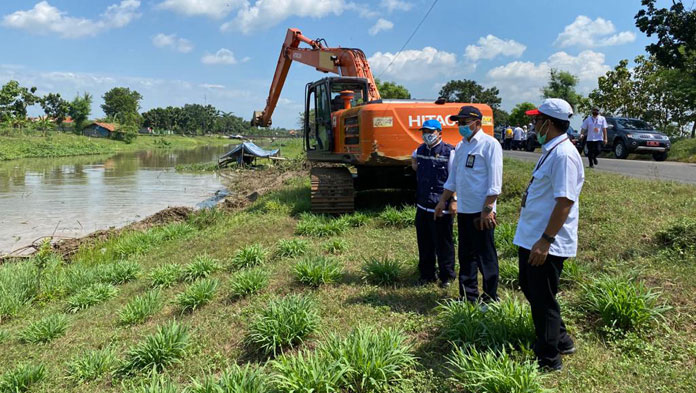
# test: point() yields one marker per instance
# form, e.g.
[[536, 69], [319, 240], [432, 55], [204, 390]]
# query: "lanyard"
[[539, 164]]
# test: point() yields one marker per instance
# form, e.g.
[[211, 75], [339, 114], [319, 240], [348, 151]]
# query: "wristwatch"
[[548, 238], [487, 209]]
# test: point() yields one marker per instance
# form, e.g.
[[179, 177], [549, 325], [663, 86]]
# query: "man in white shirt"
[[595, 130], [547, 231], [476, 176], [517, 138]]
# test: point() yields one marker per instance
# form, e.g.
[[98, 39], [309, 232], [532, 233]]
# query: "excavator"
[[347, 124]]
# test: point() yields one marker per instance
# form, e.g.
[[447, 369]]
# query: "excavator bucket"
[[256, 119]]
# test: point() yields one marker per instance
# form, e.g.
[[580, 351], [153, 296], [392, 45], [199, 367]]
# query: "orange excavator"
[[347, 122]]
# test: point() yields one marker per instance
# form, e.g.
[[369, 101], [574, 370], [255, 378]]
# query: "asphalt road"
[[666, 171]]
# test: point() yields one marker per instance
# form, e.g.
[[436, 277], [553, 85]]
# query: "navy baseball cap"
[[431, 124], [467, 112]]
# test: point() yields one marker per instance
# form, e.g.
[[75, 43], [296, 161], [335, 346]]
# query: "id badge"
[[524, 198], [470, 160]]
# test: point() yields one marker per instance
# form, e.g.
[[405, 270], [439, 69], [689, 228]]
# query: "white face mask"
[[431, 138]]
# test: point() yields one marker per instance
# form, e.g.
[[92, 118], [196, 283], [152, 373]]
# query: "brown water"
[[74, 196]]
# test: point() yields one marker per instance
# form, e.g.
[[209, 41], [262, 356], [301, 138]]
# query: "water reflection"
[[77, 195]]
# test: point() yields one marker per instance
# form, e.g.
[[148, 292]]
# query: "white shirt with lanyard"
[[595, 128], [558, 173]]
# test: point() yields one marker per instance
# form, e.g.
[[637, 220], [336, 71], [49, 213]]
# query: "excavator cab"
[[324, 97]]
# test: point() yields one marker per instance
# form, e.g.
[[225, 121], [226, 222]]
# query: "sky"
[[224, 52]]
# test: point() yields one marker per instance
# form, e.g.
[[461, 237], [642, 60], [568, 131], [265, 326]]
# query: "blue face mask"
[[465, 131], [430, 139]]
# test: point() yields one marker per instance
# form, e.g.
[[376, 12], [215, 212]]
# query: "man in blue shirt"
[[432, 162]]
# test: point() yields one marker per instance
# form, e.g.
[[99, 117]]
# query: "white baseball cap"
[[555, 107]]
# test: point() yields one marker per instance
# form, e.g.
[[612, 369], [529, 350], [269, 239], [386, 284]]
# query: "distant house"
[[145, 131], [99, 130]]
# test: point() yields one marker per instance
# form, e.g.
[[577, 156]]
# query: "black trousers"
[[435, 242], [476, 253], [594, 148], [540, 285]]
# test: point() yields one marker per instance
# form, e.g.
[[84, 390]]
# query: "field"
[[320, 304]]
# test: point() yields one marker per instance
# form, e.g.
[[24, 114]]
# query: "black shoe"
[[550, 368], [445, 284], [596, 162], [424, 282], [567, 350]]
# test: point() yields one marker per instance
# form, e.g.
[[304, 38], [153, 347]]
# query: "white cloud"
[[392, 5], [380, 25], [267, 13], [491, 46], [363, 10], [414, 64], [585, 32], [215, 9], [47, 19], [222, 56], [171, 41], [211, 86]]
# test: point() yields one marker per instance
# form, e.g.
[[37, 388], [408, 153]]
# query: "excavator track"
[[332, 190]]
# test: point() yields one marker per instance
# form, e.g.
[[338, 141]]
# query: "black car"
[[573, 136], [626, 135]]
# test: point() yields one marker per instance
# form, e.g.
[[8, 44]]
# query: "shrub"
[[504, 323], [318, 270], [197, 295], [373, 358], [491, 372], [201, 267], [90, 296], [249, 256], [45, 330], [21, 378], [335, 246], [119, 272], [384, 271], [284, 323], [621, 303], [306, 371], [247, 282], [508, 273], [91, 365], [158, 351], [166, 275], [19, 285], [319, 226], [395, 218], [290, 248], [141, 308]]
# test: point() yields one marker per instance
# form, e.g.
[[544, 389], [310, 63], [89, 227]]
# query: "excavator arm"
[[341, 61]]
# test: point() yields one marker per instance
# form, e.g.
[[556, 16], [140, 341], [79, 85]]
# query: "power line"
[[409, 38]]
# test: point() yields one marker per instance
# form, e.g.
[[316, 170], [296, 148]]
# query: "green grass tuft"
[[320, 226], [201, 267], [119, 272], [290, 248], [197, 295], [249, 256], [318, 270], [307, 371], [21, 378], [45, 330], [355, 220], [140, 308], [508, 272], [247, 282], [166, 275], [492, 372], [235, 379], [90, 296], [504, 233], [19, 285], [156, 384], [335, 246], [283, 323], [91, 365], [158, 351], [397, 218], [382, 271], [4, 335]]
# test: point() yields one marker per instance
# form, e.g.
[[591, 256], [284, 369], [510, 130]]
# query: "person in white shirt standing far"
[[476, 176], [547, 231], [595, 130], [518, 136]]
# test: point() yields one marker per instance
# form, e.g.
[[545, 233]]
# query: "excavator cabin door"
[[317, 118]]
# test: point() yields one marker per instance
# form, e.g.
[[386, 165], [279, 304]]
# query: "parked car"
[[626, 135], [573, 136]]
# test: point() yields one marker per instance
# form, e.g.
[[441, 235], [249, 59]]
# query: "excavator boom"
[[341, 61]]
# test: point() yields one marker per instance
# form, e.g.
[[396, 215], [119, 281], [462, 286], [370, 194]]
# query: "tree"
[[14, 99], [55, 107], [121, 102], [518, 117], [80, 109], [562, 85], [467, 90], [392, 90]]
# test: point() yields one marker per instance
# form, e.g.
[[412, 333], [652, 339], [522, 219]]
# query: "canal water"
[[74, 196]]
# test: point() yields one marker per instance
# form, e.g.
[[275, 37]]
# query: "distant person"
[[518, 134], [595, 130], [432, 162], [509, 134], [476, 176], [524, 134], [547, 231]]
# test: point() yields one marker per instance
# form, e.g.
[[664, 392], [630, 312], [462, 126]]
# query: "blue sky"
[[224, 52]]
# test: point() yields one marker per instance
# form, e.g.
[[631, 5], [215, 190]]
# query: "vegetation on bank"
[[273, 298], [683, 150]]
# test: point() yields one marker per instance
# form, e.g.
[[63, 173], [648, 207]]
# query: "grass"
[[252, 255], [21, 378], [197, 167], [119, 272], [140, 308], [397, 218], [284, 323], [382, 271], [91, 365], [492, 372], [197, 295], [504, 234], [683, 150], [166, 275], [234, 379], [45, 330], [307, 371], [90, 296], [335, 246], [314, 225], [18, 287], [508, 272], [201, 267], [291, 248], [158, 351], [248, 282], [155, 384], [318, 270]]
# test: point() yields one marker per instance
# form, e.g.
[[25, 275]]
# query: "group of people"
[[465, 181], [515, 138]]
